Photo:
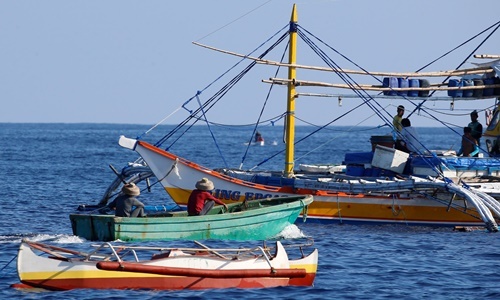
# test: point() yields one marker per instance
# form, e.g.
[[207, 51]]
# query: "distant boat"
[[250, 220], [259, 140], [159, 268]]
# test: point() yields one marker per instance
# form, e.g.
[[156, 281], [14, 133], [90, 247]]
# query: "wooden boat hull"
[[254, 220], [329, 206], [199, 272]]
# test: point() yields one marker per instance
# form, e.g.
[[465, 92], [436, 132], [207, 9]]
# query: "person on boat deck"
[[124, 202], [477, 128], [258, 137], [396, 121], [469, 146], [201, 199], [410, 137]]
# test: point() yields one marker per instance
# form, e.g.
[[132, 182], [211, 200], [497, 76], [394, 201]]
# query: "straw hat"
[[131, 189], [205, 185]]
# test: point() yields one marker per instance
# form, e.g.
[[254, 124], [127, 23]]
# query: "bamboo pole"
[[487, 56], [366, 87], [469, 71]]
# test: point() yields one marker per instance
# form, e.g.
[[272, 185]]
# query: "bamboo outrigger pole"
[[290, 111]]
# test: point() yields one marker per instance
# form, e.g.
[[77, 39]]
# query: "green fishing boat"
[[250, 220]]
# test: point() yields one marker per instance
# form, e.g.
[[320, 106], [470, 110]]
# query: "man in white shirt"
[[410, 136]]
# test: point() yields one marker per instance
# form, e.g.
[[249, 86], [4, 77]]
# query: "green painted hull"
[[255, 220]]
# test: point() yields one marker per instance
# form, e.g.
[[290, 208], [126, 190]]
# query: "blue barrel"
[[496, 91], [467, 93], [413, 83], [423, 83], [479, 92], [403, 83], [488, 91], [455, 83], [390, 82]]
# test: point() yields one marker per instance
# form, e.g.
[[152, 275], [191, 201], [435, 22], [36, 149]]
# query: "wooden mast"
[[290, 112]]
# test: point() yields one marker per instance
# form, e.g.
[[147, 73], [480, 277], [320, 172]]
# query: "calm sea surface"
[[49, 169]]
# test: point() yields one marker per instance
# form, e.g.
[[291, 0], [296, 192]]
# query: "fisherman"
[[258, 137], [469, 146], [124, 202], [410, 136], [396, 121], [477, 128], [201, 199]]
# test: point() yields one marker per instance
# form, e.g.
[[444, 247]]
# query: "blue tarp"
[[469, 163]]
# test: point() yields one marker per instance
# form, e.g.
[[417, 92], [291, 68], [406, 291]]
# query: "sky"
[[134, 62]]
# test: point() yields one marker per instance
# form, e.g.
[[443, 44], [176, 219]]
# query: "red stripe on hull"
[[157, 283]]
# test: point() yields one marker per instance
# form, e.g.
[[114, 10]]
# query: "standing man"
[[396, 121], [477, 128]]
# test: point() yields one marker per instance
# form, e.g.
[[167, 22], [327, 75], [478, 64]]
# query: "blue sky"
[[133, 61]]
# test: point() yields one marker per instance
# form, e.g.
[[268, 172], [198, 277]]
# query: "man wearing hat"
[[396, 121], [124, 203], [201, 199]]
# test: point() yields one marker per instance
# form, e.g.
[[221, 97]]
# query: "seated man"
[[124, 202], [411, 139], [469, 146], [201, 199]]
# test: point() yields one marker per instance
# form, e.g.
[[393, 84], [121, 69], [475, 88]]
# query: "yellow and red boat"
[[111, 266]]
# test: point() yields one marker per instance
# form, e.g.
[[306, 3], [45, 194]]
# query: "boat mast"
[[290, 112]]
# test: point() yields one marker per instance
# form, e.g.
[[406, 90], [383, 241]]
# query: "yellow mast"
[[290, 112]]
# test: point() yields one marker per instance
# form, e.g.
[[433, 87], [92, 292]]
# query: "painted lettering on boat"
[[236, 195]]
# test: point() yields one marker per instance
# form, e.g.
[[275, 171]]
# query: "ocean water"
[[50, 169]]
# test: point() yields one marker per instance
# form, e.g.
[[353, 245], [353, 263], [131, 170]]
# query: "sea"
[[51, 169]]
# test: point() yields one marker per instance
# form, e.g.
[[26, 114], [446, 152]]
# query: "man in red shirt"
[[201, 200]]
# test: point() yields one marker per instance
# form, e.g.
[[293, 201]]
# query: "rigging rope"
[[218, 95], [497, 24], [261, 112]]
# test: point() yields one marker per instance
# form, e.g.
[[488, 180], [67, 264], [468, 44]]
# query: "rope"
[[261, 112], [1, 270], [497, 24]]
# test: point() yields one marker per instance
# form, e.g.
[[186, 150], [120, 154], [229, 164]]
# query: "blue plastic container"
[[467, 93], [423, 83], [413, 83], [479, 92], [355, 170], [488, 91], [455, 83], [390, 82], [403, 83]]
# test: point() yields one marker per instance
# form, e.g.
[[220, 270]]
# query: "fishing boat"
[[109, 266], [259, 219], [381, 186]]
